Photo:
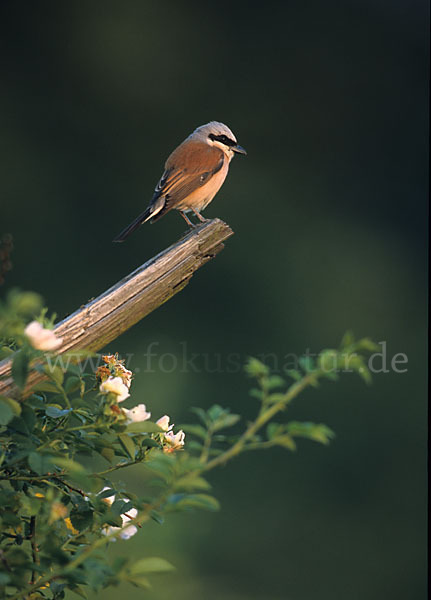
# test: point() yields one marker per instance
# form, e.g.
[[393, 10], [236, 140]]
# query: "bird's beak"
[[239, 149]]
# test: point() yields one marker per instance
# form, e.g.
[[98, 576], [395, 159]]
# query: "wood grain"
[[100, 321]]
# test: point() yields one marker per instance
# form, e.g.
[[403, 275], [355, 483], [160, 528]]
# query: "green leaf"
[[81, 520], [285, 441], [30, 506], [121, 507], [20, 367], [106, 493], [200, 501], [369, 345], [56, 412], [27, 304], [194, 445], [196, 430], [40, 463], [331, 375], [71, 466], [316, 432], [365, 373], [4, 579], [256, 368], [55, 373], [144, 427], [29, 416], [72, 384], [258, 394], [226, 420], [274, 381], [14, 405], [273, 429], [77, 472], [191, 483], [10, 519], [348, 339], [6, 411], [5, 352], [294, 374], [45, 386], [113, 520], [108, 454], [277, 397], [78, 591], [148, 443], [216, 411], [139, 581], [150, 565], [357, 363], [201, 414], [157, 517], [328, 360], [128, 444], [306, 363], [161, 465]]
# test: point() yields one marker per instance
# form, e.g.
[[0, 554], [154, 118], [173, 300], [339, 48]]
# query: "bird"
[[193, 174]]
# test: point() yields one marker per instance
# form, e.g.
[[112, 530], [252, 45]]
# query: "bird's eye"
[[221, 138]]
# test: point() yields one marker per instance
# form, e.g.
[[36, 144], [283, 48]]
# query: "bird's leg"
[[186, 219], [199, 216]]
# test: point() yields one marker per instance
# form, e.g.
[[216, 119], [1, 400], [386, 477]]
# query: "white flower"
[[126, 532], [163, 423], [137, 414], [41, 338], [115, 386], [175, 440]]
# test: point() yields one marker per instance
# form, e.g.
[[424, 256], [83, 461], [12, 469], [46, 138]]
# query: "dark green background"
[[329, 213]]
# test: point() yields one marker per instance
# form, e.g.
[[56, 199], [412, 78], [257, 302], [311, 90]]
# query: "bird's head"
[[219, 135]]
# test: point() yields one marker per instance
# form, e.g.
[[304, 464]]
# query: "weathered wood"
[[102, 320]]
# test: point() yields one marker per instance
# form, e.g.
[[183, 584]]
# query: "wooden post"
[[102, 320]]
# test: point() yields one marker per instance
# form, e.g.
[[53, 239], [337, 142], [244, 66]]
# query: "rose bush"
[[60, 507]]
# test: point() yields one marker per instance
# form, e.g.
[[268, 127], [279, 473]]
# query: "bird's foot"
[[199, 216], [187, 220]]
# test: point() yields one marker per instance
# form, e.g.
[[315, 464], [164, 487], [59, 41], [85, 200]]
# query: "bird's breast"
[[202, 196]]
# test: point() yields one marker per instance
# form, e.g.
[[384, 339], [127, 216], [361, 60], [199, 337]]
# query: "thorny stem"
[[89, 426], [70, 487], [34, 549], [116, 467], [45, 479]]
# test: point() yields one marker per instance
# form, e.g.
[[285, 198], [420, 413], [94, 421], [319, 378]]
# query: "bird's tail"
[[134, 225]]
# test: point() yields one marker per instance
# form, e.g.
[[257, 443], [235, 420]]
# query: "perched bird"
[[194, 173]]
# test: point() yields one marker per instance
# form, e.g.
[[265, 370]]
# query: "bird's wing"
[[187, 168]]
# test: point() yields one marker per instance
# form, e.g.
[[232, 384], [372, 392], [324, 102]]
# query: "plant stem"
[[34, 550], [115, 468], [63, 393], [206, 447], [89, 426], [262, 419]]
